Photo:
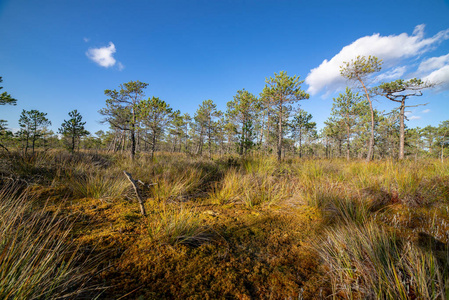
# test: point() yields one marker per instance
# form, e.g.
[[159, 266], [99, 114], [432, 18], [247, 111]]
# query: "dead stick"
[[139, 197]]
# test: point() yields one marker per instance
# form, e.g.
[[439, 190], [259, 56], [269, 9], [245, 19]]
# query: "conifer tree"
[[399, 91], [347, 107], [6, 98], [32, 123], [301, 125], [122, 109], [242, 111], [155, 115], [283, 91], [73, 128], [358, 70]]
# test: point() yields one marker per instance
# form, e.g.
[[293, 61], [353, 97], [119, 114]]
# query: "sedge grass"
[[36, 259], [172, 224], [366, 261]]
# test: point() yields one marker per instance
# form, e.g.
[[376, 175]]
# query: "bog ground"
[[234, 228]]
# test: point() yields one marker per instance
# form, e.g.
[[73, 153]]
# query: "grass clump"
[[261, 190], [36, 259], [175, 225], [347, 210], [96, 184], [177, 184], [229, 189], [368, 262]]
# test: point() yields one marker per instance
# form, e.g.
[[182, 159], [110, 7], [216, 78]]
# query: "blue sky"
[[60, 55]]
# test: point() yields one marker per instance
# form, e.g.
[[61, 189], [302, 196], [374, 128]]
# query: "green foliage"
[[6, 98], [205, 124], [242, 111], [360, 67], [122, 108], [73, 128], [302, 126], [392, 89], [155, 115], [32, 125], [347, 112], [281, 91], [399, 91]]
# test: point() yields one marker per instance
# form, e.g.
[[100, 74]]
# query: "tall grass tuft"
[[368, 262], [265, 190], [96, 184], [174, 184], [229, 189], [36, 259], [347, 210], [173, 225]]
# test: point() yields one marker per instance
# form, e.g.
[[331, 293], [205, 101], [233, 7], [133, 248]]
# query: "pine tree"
[[359, 69], [282, 91], [73, 128]]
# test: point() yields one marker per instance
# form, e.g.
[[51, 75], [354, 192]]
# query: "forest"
[[254, 202]]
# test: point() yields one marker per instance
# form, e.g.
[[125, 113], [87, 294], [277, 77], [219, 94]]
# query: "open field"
[[234, 228]]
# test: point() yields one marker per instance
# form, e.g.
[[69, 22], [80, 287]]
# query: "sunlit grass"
[[369, 262], [172, 224], [37, 260], [367, 220]]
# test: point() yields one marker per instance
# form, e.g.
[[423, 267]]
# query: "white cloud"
[[120, 66], [426, 111], [392, 74], [103, 56], [414, 118], [433, 63], [388, 48], [439, 77], [85, 39]]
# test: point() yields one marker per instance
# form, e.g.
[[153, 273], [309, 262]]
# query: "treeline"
[[270, 123]]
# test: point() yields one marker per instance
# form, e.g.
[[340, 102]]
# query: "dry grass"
[[368, 262], [380, 229], [37, 260], [173, 225]]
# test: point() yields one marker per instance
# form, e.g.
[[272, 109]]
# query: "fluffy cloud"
[[392, 74], [411, 118], [440, 77], [433, 63], [426, 111], [388, 48], [436, 70], [103, 56]]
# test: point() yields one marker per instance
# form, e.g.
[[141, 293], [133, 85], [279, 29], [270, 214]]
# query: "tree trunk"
[[369, 156], [442, 151], [280, 132], [133, 143], [26, 143], [153, 146], [209, 129], [401, 130], [34, 140], [340, 147], [73, 143], [348, 146]]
